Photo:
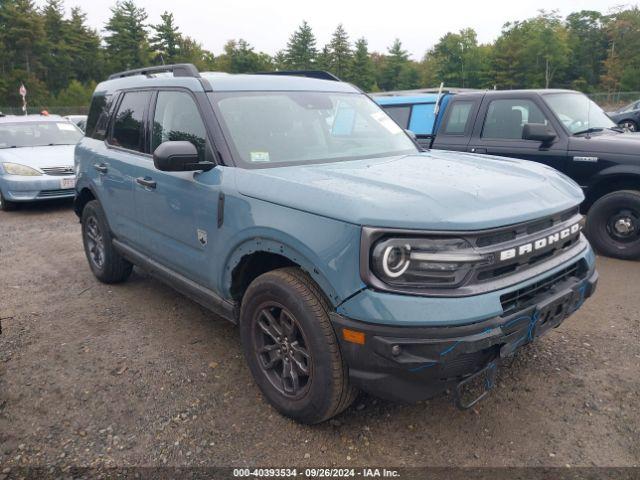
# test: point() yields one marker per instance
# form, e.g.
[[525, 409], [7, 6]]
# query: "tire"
[[7, 206], [629, 125], [613, 225], [106, 263], [300, 319]]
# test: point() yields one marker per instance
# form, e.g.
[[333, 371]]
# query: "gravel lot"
[[136, 374]]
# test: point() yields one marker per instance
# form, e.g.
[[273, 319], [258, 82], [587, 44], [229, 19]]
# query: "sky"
[[267, 24]]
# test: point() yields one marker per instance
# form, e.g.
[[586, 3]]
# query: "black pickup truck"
[[560, 128]]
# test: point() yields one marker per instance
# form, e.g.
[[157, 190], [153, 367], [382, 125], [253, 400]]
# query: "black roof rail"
[[319, 74], [178, 70]]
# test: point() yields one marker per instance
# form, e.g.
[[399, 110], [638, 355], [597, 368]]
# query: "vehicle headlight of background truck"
[[17, 169], [424, 262]]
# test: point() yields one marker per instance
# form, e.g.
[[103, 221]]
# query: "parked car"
[[36, 158], [79, 120], [560, 128], [296, 208], [627, 117]]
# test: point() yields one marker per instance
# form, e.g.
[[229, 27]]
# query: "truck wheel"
[[613, 225], [291, 348], [106, 263], [7, 206]]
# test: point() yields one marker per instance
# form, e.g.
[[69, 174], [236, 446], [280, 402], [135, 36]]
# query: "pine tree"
[[166, 41], [394, 63], [57, 61], [127, 42], [361, 72], [301, 49], [339, 52], [87, 55]]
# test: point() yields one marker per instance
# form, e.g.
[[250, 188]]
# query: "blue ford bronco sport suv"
[[296, 208]]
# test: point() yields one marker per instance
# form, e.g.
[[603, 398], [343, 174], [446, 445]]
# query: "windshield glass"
[[286, 128], [578, 112], [36, 134]]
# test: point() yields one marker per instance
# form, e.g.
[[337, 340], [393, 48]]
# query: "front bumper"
[[16, 188], [415, 363]]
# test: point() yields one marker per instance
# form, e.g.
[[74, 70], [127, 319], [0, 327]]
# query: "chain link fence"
[[52, 110], [611, 101]]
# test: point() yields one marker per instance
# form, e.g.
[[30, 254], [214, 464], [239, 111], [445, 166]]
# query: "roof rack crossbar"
[[178, 70], [319, 74]]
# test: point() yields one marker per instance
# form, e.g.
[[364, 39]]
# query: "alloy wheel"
[[282, 350], [95, 242]]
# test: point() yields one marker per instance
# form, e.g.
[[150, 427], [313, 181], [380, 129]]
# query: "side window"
[[458, 118], [98, 119], [506, 118], [400, 114], [127, 127], [177, 118]]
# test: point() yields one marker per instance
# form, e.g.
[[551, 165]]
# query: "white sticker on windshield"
[[259, 156], [66, 126], [384, 120]]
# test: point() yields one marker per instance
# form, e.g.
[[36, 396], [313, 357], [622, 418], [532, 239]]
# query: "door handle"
[[146, 182], [478, 150], [101, 167]]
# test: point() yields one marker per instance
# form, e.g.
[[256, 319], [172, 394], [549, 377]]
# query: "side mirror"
[[538, 132], [179, 156]]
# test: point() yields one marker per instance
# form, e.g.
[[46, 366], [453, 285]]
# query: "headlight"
[[17, 169], [424, 262]]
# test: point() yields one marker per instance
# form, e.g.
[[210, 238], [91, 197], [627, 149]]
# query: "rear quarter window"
[[400, 113], [458, 118], [98, 118]]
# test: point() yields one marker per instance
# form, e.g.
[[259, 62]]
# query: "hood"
[[607, 142], [433, 190], [38, 157]]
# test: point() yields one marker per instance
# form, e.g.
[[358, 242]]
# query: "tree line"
[[59, 58]]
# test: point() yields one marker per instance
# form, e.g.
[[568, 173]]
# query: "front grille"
[[55, 193], [517, 235], [58, 171], [522, 297]]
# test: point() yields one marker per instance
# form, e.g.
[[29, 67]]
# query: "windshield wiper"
[[589, 130]]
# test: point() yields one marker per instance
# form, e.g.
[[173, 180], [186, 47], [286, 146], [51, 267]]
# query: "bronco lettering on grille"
[[541, 244]]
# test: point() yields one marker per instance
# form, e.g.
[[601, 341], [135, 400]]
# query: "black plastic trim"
[[202, 295]]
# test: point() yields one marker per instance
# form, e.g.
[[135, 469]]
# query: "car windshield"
[[286, 128], [577, 112], [37, 134]]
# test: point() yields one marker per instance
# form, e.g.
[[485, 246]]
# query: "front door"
[[501, 132], [178, 210]]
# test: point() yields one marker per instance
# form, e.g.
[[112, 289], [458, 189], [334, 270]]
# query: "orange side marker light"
[[353, 336]]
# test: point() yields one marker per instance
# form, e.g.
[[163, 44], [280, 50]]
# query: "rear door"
[[498, 130], [178, 211], [125, 160]]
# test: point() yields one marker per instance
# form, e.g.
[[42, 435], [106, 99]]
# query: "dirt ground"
[[138, 375]]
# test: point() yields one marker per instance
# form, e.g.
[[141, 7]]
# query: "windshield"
[[37, 134], [286, 128], [577, 112]]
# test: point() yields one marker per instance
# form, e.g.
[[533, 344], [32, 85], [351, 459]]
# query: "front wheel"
[[106, 263], [613, 225], [5, 205], [291, 348]]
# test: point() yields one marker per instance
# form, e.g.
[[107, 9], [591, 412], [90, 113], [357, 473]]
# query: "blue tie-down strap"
[[474, 388]]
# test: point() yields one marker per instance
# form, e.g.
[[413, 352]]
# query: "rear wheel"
[[613, 224], [5, 205], [106, 263], [291, 348]]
